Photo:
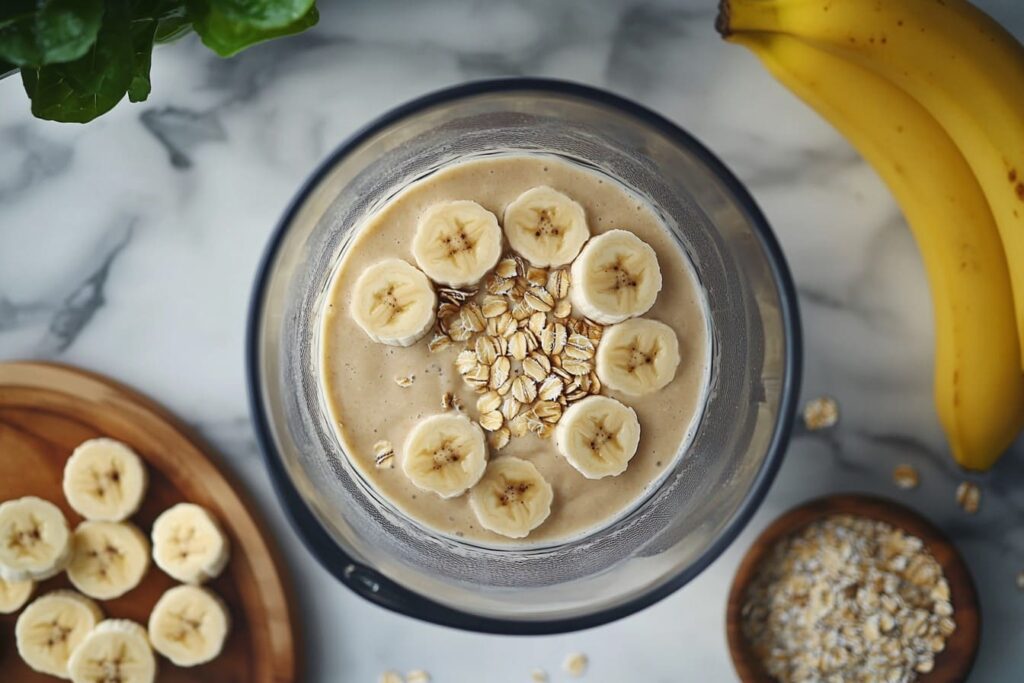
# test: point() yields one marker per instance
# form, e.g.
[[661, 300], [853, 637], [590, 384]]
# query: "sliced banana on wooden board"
[[50, 629], [189, 625], [598, 436], [615, 277], [109, 558], [394, 303], [546, 227], [445, 454], [115, 651], [189, 544], [457, 242], [35, 542], [104, 480], [512, 498], [638, 356]]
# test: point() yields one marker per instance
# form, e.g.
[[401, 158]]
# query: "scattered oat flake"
[[968, 497], [539, 676], [1020, 579], [821, 413], [575, 664], [390, 677], [417, 676], [905, 477], [405, 381]]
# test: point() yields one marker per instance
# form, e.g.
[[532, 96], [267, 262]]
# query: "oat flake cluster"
[[848, 600], [525, 355]]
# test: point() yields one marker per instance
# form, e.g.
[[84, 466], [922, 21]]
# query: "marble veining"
[[128, 246]]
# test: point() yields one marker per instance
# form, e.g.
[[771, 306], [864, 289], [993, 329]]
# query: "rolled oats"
[[831, 602], [491, 421], [405, 381], [440, 341], [821, 413], [905, 477], [968, 497], [488, 402], [383, 454]]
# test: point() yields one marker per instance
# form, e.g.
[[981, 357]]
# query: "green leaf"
[[34, 33], [143, 30], [266, 14], [173, 25], [226, 36], [81, 90]]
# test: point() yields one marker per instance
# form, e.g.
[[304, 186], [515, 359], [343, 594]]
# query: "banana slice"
[[445, 454], [104, 480], [546, 227], [116, 651], [615, 277], [35, 542], [456, 243], [189, 544], [637, 356], [598, 436], [109, 558], [14, 594], [50, 629], [188, 625], [512, 498], [394, 303]]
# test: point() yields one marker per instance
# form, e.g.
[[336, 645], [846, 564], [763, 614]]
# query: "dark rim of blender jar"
[[386, 593]]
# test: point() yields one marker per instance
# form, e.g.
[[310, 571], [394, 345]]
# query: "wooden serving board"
[[45, 411]]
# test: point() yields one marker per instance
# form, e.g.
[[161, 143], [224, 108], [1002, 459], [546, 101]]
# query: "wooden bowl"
[[45, 411], [951, 665]]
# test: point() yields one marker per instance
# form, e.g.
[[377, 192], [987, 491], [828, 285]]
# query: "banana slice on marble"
[[14, 594], [598, 436], [104, 480], [50, 629], [35, 542], [512, 498], [189, 625], [115, 651], [615, 277], [546, 227], [637, 356], [189, 544], [445, 454], [394, 303], [108, 559], [457, 242]]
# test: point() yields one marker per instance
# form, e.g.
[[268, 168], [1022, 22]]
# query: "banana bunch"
[[931, 93]]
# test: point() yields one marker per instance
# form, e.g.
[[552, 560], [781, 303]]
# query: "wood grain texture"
[[952, 665], [45, 411]]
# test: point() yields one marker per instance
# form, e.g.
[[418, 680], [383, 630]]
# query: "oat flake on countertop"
[[968, 497], [575, 664], [821, 413]]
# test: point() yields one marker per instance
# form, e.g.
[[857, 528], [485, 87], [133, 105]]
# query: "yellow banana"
[[979, 389], [965, 69]]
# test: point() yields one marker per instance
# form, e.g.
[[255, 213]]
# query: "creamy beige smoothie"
[[378, 393]]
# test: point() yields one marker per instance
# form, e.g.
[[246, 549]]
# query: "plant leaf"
[[173, 25], [143, 30], [48, 31], [81, 90], [226, 36], [265, 14]]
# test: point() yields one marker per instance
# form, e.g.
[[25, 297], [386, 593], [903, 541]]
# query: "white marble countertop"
[[128, 246]]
